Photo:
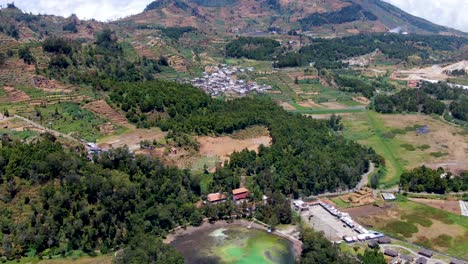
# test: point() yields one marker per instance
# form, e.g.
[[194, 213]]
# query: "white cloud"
[[450, 13], [85, 9]]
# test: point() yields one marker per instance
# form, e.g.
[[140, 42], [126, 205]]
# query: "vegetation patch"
[[424, 147], [417, 219], [252, 48], [408, 147], [401, 227], [444, 241], [438, 154]]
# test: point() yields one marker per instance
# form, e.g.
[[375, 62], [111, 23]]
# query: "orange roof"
[[213, 197], [240, 190]]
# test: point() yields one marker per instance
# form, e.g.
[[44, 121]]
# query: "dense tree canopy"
[[329, 53], [424, 179], [76, 204], [427, 99], [408, 100], [252, 48], [306, 157], [317, 250]]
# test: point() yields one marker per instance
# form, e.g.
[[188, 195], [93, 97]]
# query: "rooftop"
[[240, 190], [391, 252], [213, 197], [388, 196], [421, 260]]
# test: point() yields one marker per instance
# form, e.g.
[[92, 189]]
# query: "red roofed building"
[[215, 198], [413, 84], [240, 194]]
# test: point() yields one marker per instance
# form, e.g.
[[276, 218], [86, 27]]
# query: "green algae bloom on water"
[[235, 245]]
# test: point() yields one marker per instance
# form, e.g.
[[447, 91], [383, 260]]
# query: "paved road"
[[53, 132]]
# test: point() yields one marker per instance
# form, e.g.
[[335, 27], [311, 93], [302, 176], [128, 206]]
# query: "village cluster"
[[222, 79]]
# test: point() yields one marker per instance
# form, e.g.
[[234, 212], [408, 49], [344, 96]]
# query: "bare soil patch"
[[101, 108], [449, 206], [131, 139], [334, 105], [222, 147], [361, 100], [48, 85], [15, 95], [310, 103], [287, 106], [442, 137], [436, 229], [366, 210]]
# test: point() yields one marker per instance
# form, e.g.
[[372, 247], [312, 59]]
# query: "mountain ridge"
[[340, 17]]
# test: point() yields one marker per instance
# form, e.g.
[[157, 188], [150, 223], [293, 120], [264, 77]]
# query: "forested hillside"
[[253, 48], [97, 64], [330, 53], [305, 158], [350, 13], [57, 201]]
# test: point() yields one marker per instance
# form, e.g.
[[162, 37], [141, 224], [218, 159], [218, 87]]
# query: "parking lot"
[[322, 220]]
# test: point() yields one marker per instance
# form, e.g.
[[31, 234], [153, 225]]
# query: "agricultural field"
[[395, 138], [420, 224], [130, 138], [452, 206]]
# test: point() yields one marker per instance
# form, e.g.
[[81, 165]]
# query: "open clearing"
[[50, 86], [131, 138], [449, 206], [287, 106], [101, 108], [442, 138], [420, 224], [224, 146], [395, 138]]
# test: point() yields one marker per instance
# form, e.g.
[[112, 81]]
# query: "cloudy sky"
[[452, 13]]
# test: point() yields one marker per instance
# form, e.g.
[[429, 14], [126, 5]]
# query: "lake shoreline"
[[182, 232]]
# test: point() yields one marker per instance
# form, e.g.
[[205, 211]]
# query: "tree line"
[[329, 53], [253, 48], [423, 179], [427, 99]]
